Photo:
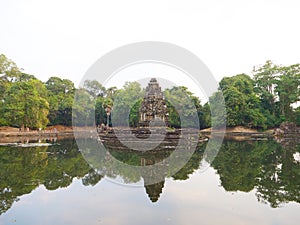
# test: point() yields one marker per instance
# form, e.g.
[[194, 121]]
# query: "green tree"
[[24, 105], [297, 115], [288, 89], [205, 116], [60, 95], [242, 104], [100, 114], [279, 181], [278, 89], [217, 117], [4, 86], [8, 73], [125, 105], [24, 169], [111, 92], [192, 165], [94, 88], [238, 164], [83, 111], [103, 100], [265, 78], [8, 69], [183, 107]]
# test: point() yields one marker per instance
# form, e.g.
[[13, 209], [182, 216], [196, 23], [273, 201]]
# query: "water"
[[249, 182]]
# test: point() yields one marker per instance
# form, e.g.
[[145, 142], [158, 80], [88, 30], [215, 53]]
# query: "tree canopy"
[[262, 101]]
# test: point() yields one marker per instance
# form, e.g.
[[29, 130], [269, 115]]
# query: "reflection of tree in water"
[[280, 177], [148, 158], [24, 169], [243, 166], [265, 166], [238, 165], [91, 178]]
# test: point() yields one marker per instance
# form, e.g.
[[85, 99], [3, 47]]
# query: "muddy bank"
[[240, 133], [14, 135], [9, 134], [34, 139]]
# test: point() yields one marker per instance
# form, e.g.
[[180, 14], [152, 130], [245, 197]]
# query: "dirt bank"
[[238, 129], [240, 133], [49, 131]]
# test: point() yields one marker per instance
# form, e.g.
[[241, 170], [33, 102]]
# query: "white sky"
[[167, 77], [65, 37]]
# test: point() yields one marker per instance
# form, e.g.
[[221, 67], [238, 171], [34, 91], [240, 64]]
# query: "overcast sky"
[[65, 37]]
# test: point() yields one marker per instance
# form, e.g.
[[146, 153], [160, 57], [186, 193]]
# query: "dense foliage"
[[264, 101]]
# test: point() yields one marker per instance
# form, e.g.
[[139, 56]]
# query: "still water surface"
[[249, 182]]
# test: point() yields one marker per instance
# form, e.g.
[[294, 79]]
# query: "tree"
[[217, 117], [265, 78], [83, 111], [94, 88], [125, 105], [278, 89], [60, 96], [24, 105], [183, 107], [242, 104], [288, 89], [111, 92], [8, 69], [100, 114], [205, 116], [297, 115], [57, 85], [4, 86], [235, 106], [103, 100]]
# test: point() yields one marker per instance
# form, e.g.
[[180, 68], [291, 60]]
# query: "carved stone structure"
[[287, 129], [153, 105]]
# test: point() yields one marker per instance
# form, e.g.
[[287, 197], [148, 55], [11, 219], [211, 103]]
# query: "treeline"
[[264, 101], [26, 101]]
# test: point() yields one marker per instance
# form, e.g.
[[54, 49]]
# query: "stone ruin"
[[153, 106], [287, 129], [288, 135]]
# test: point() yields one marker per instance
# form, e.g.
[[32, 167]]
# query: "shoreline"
[[69, 131], [35, 134], [10, 134], [60, 132], [64, 130]]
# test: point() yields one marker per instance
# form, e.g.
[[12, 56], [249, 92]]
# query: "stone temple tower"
[[153, 105]]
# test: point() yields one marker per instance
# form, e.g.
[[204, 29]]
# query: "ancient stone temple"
[[153, 105]]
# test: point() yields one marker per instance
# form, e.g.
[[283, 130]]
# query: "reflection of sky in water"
[[296, 156], [199, 200]]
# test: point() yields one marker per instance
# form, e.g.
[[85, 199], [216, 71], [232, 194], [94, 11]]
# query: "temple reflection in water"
[[267, 167]]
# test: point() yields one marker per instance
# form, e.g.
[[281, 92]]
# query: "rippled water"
[[249, 182]]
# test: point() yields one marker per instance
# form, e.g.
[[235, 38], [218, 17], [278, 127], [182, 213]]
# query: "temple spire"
[[153, 105]]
